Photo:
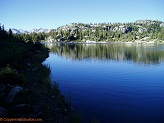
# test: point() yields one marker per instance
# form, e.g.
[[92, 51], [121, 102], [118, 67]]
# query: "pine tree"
[[10, 33]]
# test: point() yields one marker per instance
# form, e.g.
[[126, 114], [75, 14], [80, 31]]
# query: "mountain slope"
[[20, 31], [138, 30]]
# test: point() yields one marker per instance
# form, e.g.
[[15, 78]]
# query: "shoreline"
[[28, 92], [136, 42]]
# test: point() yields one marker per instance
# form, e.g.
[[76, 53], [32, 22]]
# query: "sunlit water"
[[113, 83]]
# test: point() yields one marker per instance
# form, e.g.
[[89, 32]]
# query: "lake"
[[113, 83]]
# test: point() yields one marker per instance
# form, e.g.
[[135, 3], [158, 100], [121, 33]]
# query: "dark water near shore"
[[114, 83]]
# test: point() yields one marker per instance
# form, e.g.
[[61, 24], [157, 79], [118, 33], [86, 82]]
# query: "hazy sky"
[[28, 14]]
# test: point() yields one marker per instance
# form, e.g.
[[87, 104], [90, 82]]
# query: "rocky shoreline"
[[32, 96], [107, 42]]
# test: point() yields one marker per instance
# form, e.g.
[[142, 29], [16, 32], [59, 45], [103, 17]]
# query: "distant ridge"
[[20, 31]]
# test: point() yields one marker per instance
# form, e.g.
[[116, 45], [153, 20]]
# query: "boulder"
[[38, 115], [3, 112], [21, 108], [13, 93]]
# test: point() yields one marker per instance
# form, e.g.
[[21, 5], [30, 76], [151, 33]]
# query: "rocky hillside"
[[138, 30]]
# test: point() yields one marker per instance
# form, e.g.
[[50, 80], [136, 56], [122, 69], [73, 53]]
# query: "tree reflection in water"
[[142, 54]]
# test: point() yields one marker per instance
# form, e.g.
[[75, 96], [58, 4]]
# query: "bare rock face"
[[122, 28], [162, 25], [13, 93]]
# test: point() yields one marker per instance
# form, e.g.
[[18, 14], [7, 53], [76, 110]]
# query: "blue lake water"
[[114, 83]]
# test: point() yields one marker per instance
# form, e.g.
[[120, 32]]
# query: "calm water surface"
[[114, 83]]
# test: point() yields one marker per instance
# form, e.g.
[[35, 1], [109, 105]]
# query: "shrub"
[[10, 76]]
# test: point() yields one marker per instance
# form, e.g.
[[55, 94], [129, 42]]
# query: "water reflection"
[[141, 54]]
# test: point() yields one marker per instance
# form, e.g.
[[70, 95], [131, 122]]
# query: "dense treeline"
[[143, 30], [139, 30], [14, 51], [34, 37], [8, 35]]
